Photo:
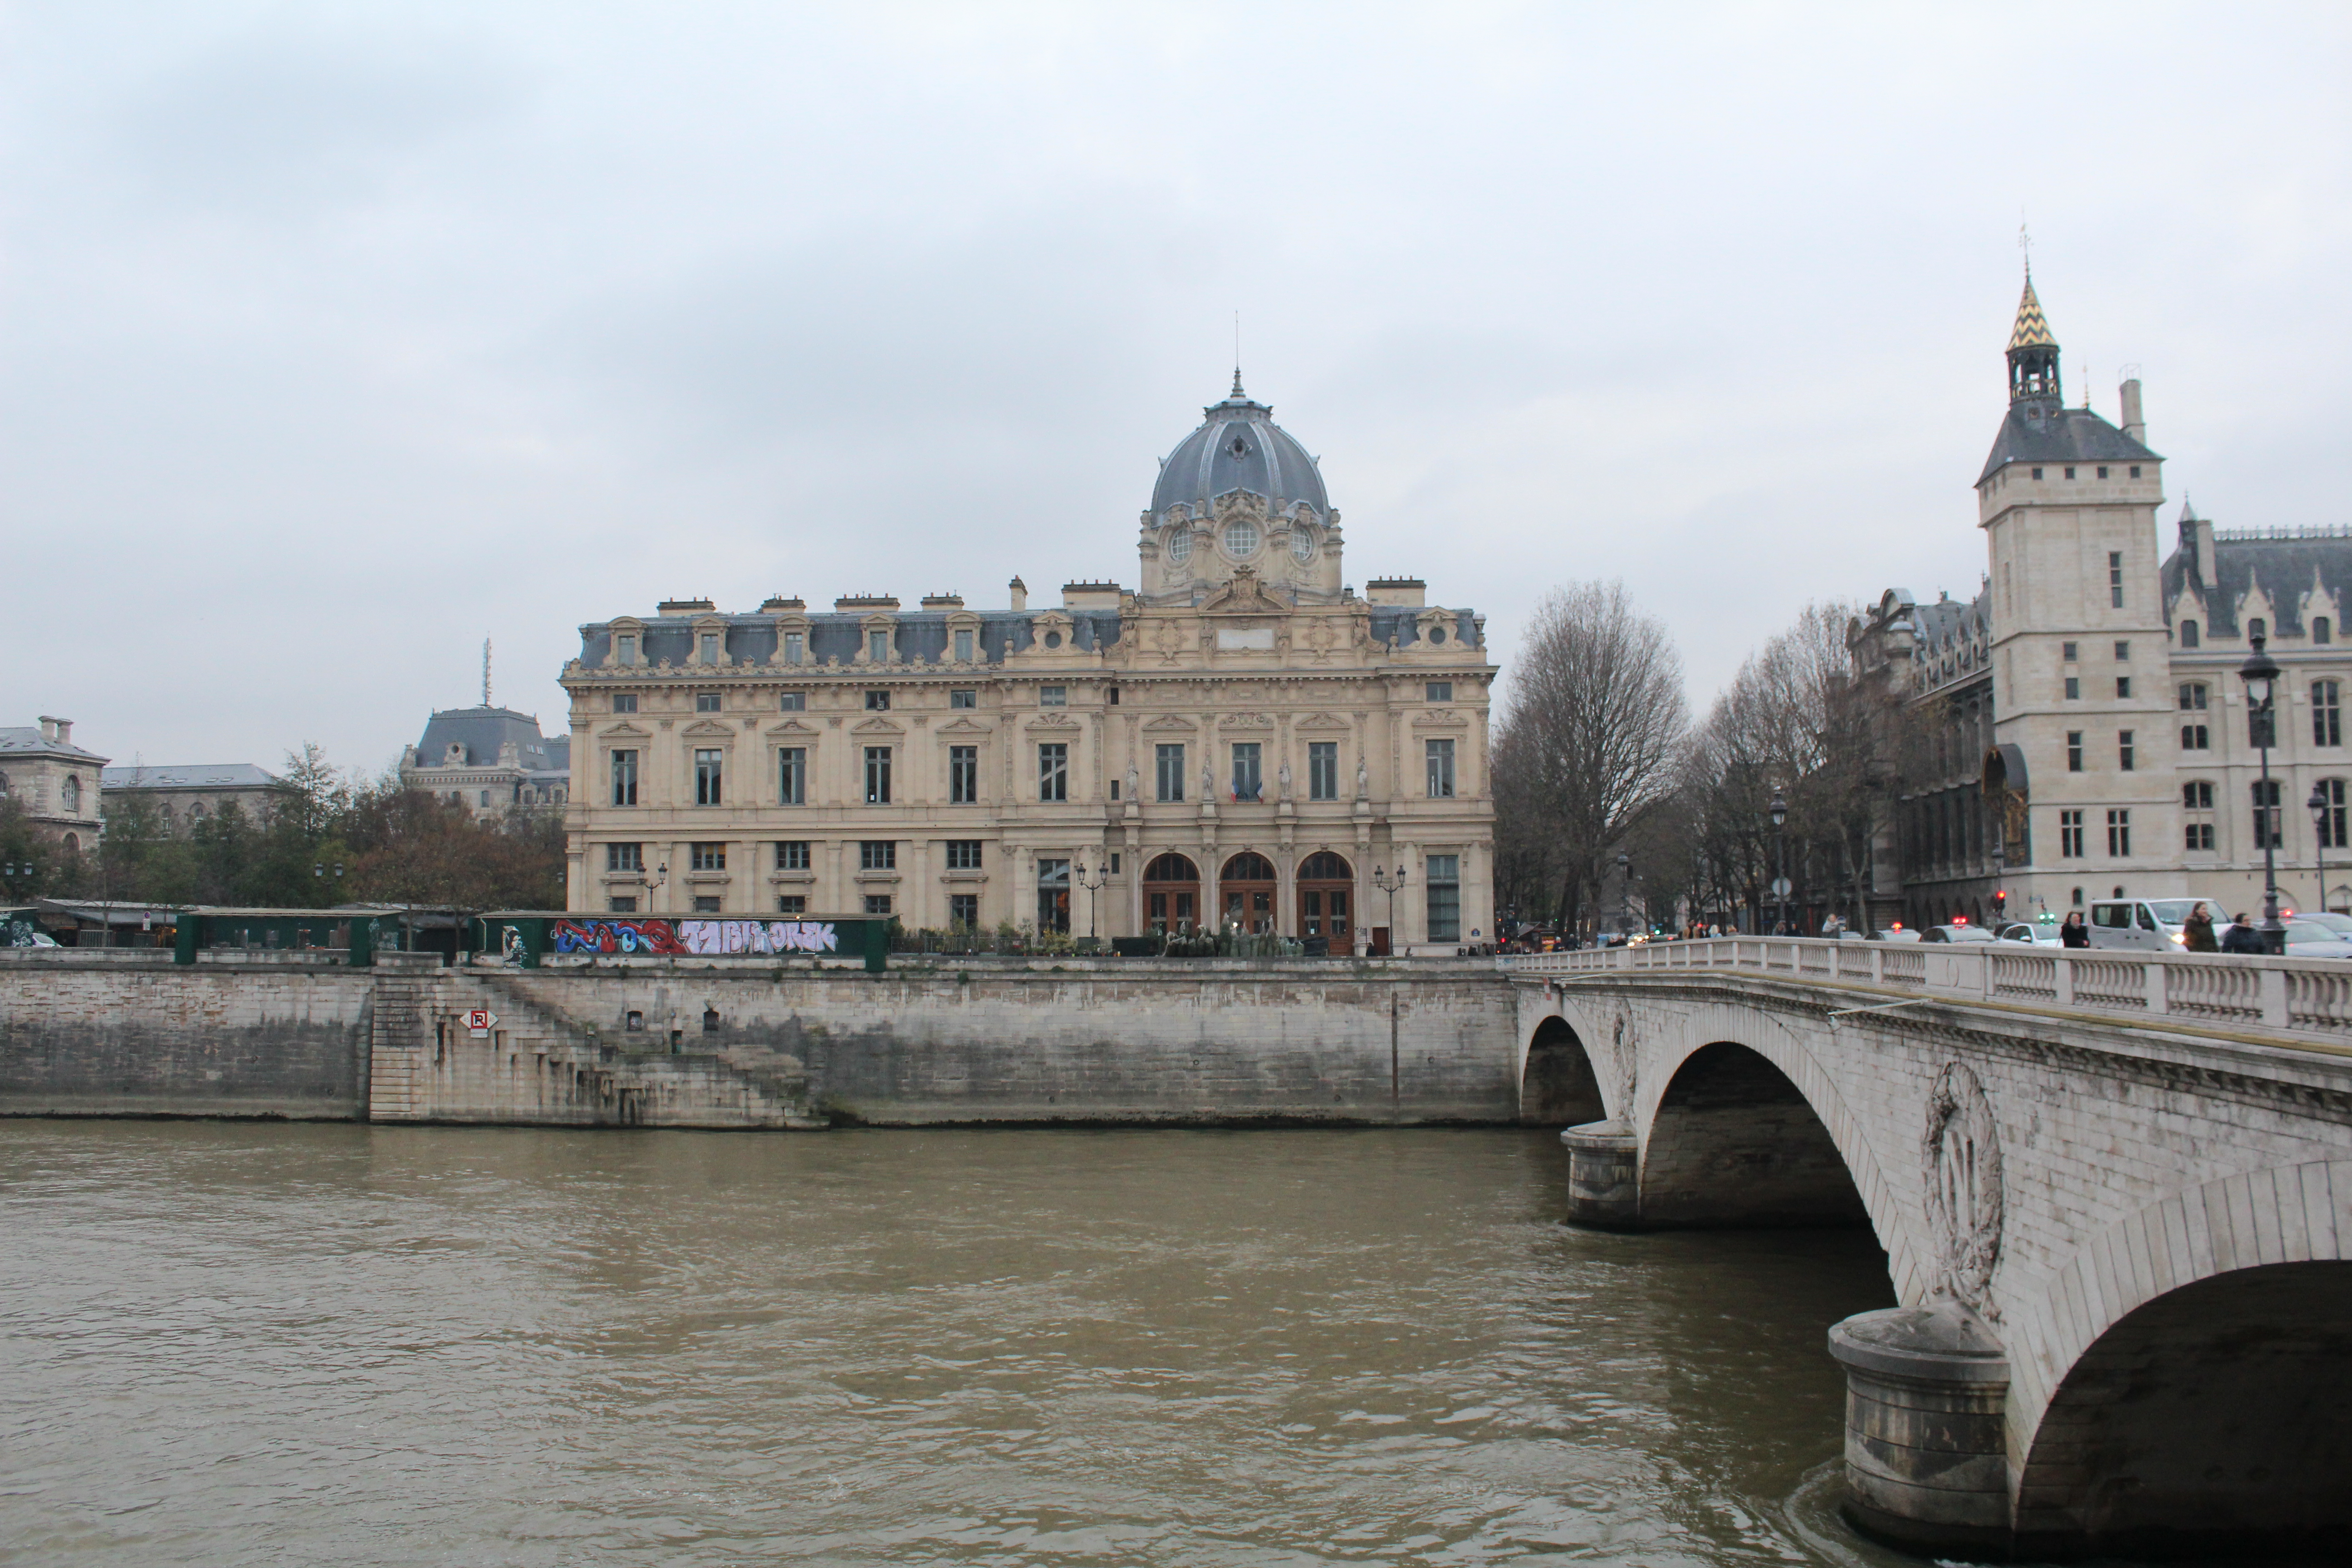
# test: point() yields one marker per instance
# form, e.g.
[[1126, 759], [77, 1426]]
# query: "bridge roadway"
[[2115, 1190]]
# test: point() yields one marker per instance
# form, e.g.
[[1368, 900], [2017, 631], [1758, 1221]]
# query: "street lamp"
[[2320, 804], [1101, 875], [2260, 673], [1389, 885], [1780, 809], [1625, 896]]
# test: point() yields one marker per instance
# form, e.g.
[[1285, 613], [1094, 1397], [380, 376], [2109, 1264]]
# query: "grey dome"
[[1240, 448]]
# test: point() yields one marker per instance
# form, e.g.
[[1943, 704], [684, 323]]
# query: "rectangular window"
[[2197, 835], [2067, 651], [2070, 835], [1438, 758], [878, 855], [2197, 795], [2115, 582], [2192, 699], [2119, 834], [792, 904], [622, 906], [792, 702], [2257, 628], [795, 645], [1054, 771], [2102, 470], [1114, 862], [791, 855], [706, 904], [624, 778], [878, 903], [2330, 816], [709, 858], [2124, 749], [709, 642], [2123, 686], [625, 857], [1052, 894], [1110, 695], [963, 853], [706, 702], [964, 697], [625, 649], [1248, 784], [964, 775], [2073, 688], [1114, 789], [878, 702], [1323, 770], [1444, 897], [2265, 793], [2326, 713], [1438, 692], [878, 647], [1053, 697], [963, 908], [791, 776], [2321, 631], [1169, 762], [2074, 751], [2123, 653], [2188, 634], [878, 776], [624, 702], [710, 770], [2196, 737], [963, 645]]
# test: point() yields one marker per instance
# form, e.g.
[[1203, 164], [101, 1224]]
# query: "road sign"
[[480, 1021], [1779, 886]]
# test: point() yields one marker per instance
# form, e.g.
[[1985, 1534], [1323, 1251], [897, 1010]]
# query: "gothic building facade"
[[1241, 737], [2078, 731]]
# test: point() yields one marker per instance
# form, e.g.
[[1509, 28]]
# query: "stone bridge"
[[2114, 1192]]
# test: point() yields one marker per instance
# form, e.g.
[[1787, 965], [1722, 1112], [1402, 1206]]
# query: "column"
[[1927, 1448]]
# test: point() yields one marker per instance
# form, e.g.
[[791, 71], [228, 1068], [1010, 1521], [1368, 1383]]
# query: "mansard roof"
[[199, 776], [482, 731], [2035, 432], [26, 738], [2285, 565]]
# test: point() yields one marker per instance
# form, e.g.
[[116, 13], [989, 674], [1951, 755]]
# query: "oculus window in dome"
[[1241, 539], [1179, 545], [1302, 546]]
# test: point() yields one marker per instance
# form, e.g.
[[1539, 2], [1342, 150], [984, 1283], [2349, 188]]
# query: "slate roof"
[[2286, 566], [28, 738], [2039, 432], [203, 775], [482, 730], [1239, 447]]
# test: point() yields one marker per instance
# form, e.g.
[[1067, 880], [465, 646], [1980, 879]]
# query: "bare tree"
[[1594, 719]]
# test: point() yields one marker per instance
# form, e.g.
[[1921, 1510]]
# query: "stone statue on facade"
[[1208, 781], [1131, 782], [1363, 779], [1284, 774]]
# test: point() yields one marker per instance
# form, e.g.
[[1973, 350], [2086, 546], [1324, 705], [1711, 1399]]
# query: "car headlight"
[[2182, 937]]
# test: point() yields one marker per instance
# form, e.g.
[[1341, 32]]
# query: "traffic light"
[[1999, 900]]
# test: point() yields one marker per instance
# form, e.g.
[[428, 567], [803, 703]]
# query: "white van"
[[2151, 923]]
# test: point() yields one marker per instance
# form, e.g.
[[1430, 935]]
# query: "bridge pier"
[[1926, 1450], [1604, 1176]]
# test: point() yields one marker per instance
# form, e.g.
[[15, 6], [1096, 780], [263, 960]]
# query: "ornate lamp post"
[[1780, 809], [18, 875], [2260, 673], [1101, 875], [1625, 896], [1389, 885], [2319, 805]]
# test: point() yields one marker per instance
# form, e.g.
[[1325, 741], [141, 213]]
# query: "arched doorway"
[[1171, 894], [1558, 1090], [1247, 882], [1734, 1142], [1327, 893]]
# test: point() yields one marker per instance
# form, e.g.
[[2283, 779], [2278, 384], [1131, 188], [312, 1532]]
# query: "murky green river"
[[227, 1343]]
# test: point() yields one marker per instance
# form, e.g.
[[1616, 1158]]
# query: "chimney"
[[1020, 594], [57, 731], [2134, 426]]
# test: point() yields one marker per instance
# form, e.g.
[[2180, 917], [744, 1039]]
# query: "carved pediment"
[[1440, 719], [876, 727], [1233, 504], [1053, 721], [1245, 595], [708, 729], [792, 729], [1322, 721], [1245, 721], [1171, 722], [964, 727], [627, 732]]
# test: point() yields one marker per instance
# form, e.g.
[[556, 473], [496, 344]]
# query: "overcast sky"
[[338, 337]]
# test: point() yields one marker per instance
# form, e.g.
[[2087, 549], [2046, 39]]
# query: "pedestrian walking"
[[2197, 931], [2074, 932], [2241, 937]]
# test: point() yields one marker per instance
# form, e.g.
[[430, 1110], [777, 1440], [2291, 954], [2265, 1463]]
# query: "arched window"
[[1172, 893], [1171, 868], [1327, 887], [1325, 867], [2188, 634], [72, 792], [1247, 883], [1248, 867]]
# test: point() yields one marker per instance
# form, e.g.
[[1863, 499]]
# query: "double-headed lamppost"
[[2323, 809], [2260, 673], [1101, 875], [1781, 857], [1389, 885]]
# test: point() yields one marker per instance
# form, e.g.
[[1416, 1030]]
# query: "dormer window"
[[2321, 631], [625, 649], [964, 641], [796, 645], [878, 646], [2257, 628], [2188, 634], [708, 643]]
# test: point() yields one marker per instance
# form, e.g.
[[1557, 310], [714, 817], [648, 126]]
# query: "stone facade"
[[55, 782], [2078, 731], [1243, 737], [183, 797], [490, 760]]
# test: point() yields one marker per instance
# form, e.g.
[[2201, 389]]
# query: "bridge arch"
[[2190, 1371], [1558, 1085]]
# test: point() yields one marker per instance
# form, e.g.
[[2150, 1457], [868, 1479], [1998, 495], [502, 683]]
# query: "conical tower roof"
[[2033, 330]]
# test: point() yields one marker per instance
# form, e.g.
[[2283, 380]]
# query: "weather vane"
[[2025, 245]]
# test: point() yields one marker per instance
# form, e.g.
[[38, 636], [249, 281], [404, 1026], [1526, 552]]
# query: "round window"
[[1436, 635], [1302, 546], [1241, 539], [1179, 545], [1053, 639]]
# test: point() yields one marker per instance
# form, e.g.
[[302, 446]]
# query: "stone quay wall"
[[736, 1043]]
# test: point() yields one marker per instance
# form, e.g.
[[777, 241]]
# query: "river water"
[[226, 1343]]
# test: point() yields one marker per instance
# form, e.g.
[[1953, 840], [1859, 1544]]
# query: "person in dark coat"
[[2074, 932], [2241, 937], [2197, 931]]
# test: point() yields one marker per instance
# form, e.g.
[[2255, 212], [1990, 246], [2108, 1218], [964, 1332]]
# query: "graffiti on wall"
[[712, 937]]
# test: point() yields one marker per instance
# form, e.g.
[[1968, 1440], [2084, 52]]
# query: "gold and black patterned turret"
[[2033, 354]]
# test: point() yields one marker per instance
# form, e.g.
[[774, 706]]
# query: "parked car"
[[2153, 924], [1956, 933], [2340, 924], [2038, 935], [1897, 934], [2307, 938]]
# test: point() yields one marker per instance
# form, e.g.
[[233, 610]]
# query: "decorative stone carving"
[[1960, 1159]]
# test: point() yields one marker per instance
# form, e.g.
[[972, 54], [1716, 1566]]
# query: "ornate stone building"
[[488, 760], [55, 781], [2078, 731], [1241, 736]]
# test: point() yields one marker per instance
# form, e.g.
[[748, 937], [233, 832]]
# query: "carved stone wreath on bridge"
[[1960, 1159]]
